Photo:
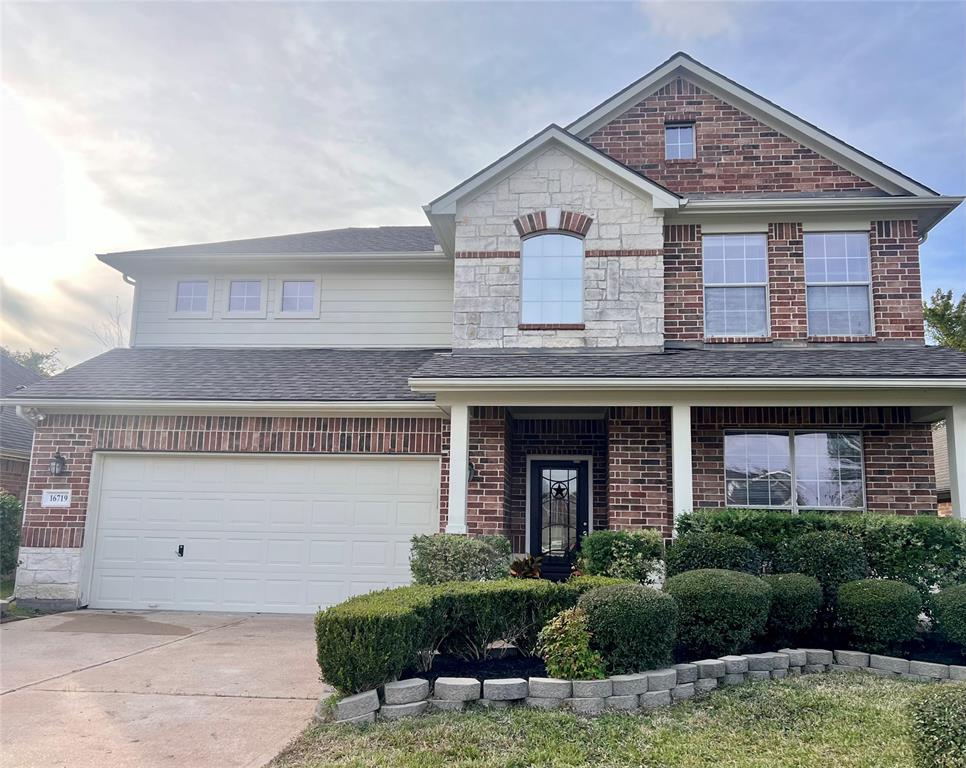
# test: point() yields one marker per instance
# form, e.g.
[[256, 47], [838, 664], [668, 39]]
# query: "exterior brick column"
[[786, 281], [896, 284], [638, 476], [487, 495], [683, 288]]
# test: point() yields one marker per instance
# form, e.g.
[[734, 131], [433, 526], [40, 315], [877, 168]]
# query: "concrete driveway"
[[96, 688]]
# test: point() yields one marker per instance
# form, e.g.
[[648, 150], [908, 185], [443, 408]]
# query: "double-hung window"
[[794, 470], [735, 285], [837, 275], [552, 280]]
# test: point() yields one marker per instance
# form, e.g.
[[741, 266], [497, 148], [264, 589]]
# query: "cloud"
[[687, 21]]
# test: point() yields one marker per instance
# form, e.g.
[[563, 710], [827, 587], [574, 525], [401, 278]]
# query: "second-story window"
[[552, 280], [837, 274], [735, 285], [679, 142], [299, 298], [191, 296], [245, 296]]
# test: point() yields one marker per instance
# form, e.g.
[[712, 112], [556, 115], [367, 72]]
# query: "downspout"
[[132, 334]]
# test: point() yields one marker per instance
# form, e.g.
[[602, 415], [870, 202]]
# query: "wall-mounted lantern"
[[58, 464]]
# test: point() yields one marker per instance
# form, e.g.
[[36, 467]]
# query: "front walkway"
[[95, 688]]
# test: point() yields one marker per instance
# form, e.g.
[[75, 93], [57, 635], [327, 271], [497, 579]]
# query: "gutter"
[[35, 409]]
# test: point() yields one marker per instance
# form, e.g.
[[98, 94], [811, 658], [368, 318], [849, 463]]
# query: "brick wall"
[[683, 286], [77, 437], [896, 284], [898, 454], [735, 152], [13, 476], [486, 495], [786, 281], [639, 469]]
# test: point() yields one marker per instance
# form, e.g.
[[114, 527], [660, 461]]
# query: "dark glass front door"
[[559, 503]]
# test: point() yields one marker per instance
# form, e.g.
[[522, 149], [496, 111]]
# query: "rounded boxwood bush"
[[829, 556], [720, 612], [949, 608], [795, 603], [726, 551], [938, 726], [632, 626], [631, 555], [879, 614]]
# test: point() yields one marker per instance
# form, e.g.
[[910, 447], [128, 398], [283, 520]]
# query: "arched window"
[[552, 279]]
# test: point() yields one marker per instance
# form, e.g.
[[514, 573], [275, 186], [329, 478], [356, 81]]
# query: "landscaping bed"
[[849, 721]]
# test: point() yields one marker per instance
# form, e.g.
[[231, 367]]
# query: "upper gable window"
[[245, 296], [552, 281], [298, 297], [679, 142], [735, 285], [838, 292], [191, 296]]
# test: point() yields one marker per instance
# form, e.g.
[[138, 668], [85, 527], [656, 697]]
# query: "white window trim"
[[840, 284], [263, 297], [794, 507], [583, 277], [765, 285], [311, 314], [173, 312]]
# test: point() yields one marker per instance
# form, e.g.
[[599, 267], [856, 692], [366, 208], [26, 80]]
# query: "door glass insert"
[[559, 503]]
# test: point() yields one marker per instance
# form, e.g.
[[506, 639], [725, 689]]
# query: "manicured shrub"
[[795, 603], [564, 646], [11, 513], [829, 556], [633, 626], [949, 609], [629, 555], [938, 726], [719, 612], [726, 551], [441, 557], [922, 550], [879, 615], [581, 584]]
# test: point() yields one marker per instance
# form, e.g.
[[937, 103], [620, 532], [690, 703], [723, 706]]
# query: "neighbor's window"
[[794, 470], [552, 281], [837, 275], [245, 296], [735, 280], [679, 142], [191, 296], [298, 295]]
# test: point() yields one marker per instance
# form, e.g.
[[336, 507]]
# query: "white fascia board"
[[132, 262], [222, 407], [765, 111], [551, 136]]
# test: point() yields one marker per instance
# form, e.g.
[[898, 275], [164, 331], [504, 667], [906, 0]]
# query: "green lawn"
[[843, 721]]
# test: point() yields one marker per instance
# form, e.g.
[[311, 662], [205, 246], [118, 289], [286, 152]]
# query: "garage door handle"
[[181, 550]]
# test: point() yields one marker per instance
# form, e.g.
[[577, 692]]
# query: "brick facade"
[[13, 476], [77, 437], [735, 152], [896, 283], [683, 286], [786, 281]]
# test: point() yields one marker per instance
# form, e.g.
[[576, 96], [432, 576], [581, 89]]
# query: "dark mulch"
[[482, 669]]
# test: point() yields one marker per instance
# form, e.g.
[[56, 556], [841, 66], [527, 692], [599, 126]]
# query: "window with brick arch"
[[552, 279]]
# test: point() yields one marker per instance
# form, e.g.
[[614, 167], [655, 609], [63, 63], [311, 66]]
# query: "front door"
[[559, 504]]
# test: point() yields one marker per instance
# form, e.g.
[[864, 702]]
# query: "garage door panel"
[[259, 534]]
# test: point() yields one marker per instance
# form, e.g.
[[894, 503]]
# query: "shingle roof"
[[348, 240], [16, 434], [322, 375], [875, 362]]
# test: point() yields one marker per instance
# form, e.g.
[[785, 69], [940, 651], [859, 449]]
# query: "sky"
[[129, 125]]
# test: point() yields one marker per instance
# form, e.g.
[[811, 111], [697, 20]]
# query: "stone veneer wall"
[[51, 538], [623, 275]]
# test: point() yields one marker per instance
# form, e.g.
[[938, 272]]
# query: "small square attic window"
[[679, 142]]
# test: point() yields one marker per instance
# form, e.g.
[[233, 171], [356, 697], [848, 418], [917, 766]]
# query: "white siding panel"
[[362, 305]]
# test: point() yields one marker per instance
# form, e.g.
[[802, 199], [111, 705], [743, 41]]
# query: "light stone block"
[[705, 684], [735, 664], [589, 689], [446, 705], [550, 687], [888, 663], [734, 678], [505, 689], [368, 717], [882, 672], [457, 688], [687, 673], [355, 706], [406, 691], [851, 658], [755, 675], [662, 679], [813, 669], [957, 672], [779, 674], [927, 669], [710, 668], [759, 662], [626, 702], [624, 685], [681, 692], [654, 699], [818, 656], [796, 656], [399, 711]]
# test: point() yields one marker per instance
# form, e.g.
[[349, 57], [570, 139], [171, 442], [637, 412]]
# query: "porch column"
[[956, 446], [458, 462], [681, 460]]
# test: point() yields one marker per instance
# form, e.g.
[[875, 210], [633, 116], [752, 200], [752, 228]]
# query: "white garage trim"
[[89, 553]]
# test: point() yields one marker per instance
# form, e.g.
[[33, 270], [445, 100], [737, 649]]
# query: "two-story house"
[[686, 298]]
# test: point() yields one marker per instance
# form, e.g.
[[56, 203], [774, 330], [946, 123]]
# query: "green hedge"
[[938, 726], [630, 555], [720, 612], [795, 603], [370, 639], [949, 608], [832, 557], [878, 614], [921, 550], [711, 549], [439, 557], [11, 513], [632, 626]]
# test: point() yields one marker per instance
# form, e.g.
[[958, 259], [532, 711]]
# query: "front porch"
[[845, 455]]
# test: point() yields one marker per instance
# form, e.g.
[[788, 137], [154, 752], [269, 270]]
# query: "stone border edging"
[[629, 693]]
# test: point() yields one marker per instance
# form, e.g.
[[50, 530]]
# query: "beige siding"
[[362, 305]]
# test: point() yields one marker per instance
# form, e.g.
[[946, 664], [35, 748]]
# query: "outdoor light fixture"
[[58, 465], [471, 472]]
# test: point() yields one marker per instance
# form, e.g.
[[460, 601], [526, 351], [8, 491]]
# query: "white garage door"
[[279, 534]]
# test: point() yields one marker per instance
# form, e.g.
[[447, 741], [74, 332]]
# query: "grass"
[[847, 721]]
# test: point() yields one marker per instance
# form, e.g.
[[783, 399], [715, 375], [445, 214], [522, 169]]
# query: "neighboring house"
[[16, 434], [941, 461], [689, 297]]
